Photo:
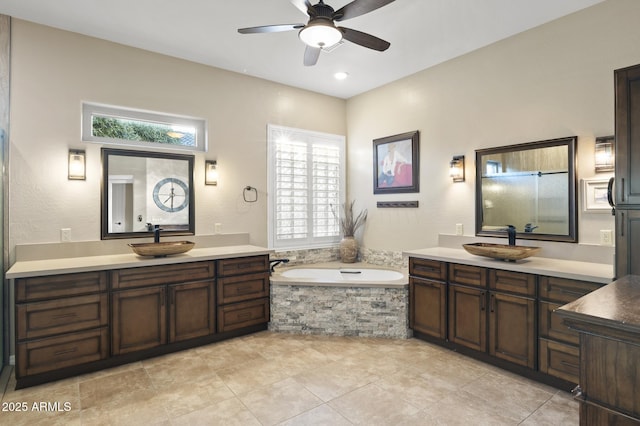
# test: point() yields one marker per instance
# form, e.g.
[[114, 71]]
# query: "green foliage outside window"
[[138, 131]]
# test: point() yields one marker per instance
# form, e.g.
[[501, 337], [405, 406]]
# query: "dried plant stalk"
[[349, 223]]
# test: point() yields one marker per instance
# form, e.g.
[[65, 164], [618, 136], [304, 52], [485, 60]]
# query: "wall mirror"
[[142, 189], [531, 186]]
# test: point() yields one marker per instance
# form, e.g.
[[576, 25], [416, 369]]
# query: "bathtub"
[[331, 299], [359, 276]]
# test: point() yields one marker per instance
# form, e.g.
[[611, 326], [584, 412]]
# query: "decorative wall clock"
[[171, 195]]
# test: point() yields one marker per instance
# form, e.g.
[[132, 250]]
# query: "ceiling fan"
[[321, 31]]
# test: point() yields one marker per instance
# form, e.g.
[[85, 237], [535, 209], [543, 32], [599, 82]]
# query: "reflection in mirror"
[[143, 189], [531, 186]]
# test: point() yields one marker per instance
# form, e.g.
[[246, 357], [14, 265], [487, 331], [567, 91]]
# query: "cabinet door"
[[428, 309], [138, 319], [191, 310], [468, 317], [627, 118], [627, 247], [512, 334]]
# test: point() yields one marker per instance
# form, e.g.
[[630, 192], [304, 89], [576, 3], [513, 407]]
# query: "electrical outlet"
[[65, 235], [606, 237], [459, 229], [217, 228]]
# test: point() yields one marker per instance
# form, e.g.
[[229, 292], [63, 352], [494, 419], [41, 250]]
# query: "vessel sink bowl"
[[501, 251], [161, 249]]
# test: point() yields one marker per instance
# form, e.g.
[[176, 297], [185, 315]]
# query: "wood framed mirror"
[[142, 189], [531, 186]]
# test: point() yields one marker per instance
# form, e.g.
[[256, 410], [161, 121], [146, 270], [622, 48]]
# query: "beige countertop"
[[586, 271], [34, 268]]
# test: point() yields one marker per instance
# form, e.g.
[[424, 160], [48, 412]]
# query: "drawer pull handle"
[[568, 364], [67, 351], [573, 293], [244, 315], [63, 316]]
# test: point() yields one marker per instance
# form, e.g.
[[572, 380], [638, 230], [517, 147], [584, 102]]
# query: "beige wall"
[[54, 71], [552, 81]]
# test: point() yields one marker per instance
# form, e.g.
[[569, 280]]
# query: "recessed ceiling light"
[[341, 75]]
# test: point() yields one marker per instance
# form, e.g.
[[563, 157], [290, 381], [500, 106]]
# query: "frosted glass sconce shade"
[[210, 172], [456, 168], [604, 154], [77, 165]]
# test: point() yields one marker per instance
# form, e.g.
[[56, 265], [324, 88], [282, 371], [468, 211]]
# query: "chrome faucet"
[[511, 233], [156, 233], [529, 227]]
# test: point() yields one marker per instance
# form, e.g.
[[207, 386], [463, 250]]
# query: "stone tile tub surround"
[[340, 308]]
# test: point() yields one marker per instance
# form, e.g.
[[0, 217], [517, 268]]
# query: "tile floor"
[[282, 379]]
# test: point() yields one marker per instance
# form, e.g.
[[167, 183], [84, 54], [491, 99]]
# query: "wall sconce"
[[605, 154], [456, 168], [76, 164], [210, 172]]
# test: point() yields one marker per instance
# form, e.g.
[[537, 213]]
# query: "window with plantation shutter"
[[306, 174]]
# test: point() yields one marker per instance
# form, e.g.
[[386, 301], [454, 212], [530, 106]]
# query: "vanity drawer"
[[41, 319], [243, 265], [467, 275], [243, 314], [565, 290], [39, 356], [426, 268], [551, 325], [52, 286], [162, 274], [512, 282], [243, 287], [560, 360]]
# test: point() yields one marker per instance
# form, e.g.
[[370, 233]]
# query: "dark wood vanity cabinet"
[[243, 292], [61, 321], [504, 317], [428, 297], [493, 311], [608, 322], [558, 345], [154, 305], [69, 324]]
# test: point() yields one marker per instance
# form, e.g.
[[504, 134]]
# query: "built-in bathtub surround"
[[340, 307], [305, 256], [387, 258]]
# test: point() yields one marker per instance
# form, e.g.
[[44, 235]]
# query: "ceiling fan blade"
[[364, 39], [304, 6], [311, 55], [270, 28], [358, 7]]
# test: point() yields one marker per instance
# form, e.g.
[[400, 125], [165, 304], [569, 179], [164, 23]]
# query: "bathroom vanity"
[[502, 312], [77, 315], [608, 321]]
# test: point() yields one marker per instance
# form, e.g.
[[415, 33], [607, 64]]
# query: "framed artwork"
[[594, 195], [396, 164]]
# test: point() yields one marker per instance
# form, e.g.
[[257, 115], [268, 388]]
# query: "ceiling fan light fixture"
[[320, 34]]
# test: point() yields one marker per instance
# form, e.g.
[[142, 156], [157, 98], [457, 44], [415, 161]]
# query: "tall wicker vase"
[[348, 250]]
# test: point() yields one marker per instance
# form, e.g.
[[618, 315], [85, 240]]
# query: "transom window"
[[306, 174], [125, 126]]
